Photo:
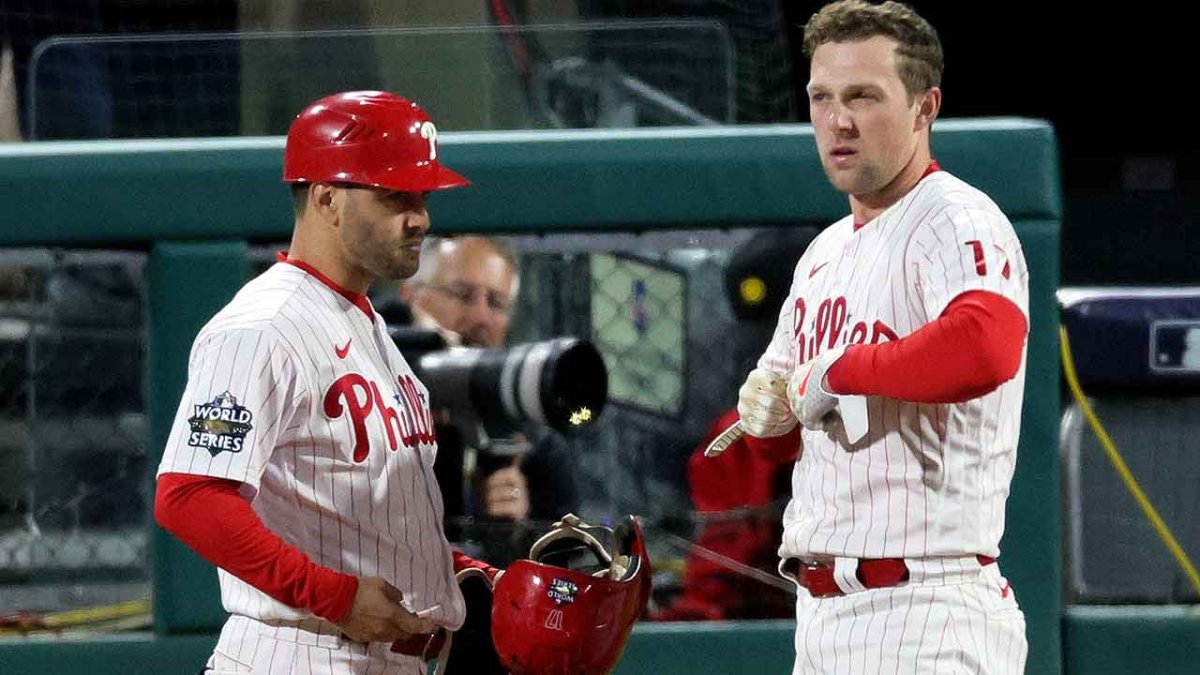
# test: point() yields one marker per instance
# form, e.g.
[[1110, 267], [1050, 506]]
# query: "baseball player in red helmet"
[[301, 458], [900, 352]]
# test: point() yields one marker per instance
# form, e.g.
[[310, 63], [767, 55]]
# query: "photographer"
[[466, 291]]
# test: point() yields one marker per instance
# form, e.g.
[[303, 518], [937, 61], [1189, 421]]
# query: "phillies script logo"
[[360, 398], [828, 329], [220, 425]]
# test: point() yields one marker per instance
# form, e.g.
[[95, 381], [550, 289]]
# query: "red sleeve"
[[463, 561], [740, 476], [214, 520], [777, 449], [972, 348]]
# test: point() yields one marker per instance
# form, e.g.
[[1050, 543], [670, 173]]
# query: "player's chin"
[[843, 180], [400, 268]]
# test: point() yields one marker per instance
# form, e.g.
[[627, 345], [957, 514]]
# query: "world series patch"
[[220, 425], [562, 592]]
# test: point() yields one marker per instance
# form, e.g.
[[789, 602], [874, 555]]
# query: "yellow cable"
[[86, 615], [1160, 527], [120, 615]]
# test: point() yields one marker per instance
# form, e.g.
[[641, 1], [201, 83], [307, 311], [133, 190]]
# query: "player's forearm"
[[214, 520], [967, 352]]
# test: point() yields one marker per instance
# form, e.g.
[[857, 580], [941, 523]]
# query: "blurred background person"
[[468, 288], [496, 488]]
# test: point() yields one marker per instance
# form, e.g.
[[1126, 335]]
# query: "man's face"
[[865, 126], [382, 230], [471, 292]]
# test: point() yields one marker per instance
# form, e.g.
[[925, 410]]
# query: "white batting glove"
[[763, 404], [815, 406], [809, 400]]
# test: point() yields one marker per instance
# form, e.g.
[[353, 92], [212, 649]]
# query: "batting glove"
[[763, 404], [814, 405], [810, 402]]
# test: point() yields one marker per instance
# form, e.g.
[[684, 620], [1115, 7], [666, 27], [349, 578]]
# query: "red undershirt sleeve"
[[967, 352], [463, 561], [778, 449], [210, 516]]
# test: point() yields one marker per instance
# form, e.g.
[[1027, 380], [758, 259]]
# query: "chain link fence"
[[655, 307]]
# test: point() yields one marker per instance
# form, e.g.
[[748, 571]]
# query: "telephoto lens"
[[561, 383]]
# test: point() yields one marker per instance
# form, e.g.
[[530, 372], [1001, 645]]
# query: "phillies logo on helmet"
[[220, 425], [562, 592]]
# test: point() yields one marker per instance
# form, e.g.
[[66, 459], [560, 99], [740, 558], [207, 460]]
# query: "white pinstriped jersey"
[[929, 479], [299, 394]]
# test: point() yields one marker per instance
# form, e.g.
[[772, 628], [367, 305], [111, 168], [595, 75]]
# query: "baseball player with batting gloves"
[[900, 354], [301, 458]]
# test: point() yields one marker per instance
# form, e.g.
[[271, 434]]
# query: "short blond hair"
[[919, 51]]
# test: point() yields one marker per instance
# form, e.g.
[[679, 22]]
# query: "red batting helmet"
[[370, 138], [554, 615]]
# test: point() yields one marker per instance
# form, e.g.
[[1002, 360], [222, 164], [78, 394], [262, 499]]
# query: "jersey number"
[[980, 263]]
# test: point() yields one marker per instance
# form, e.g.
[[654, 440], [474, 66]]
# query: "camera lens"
[[562, 383]]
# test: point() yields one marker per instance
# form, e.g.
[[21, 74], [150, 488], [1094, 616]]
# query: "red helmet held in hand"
[[369, 138], [570, 607]]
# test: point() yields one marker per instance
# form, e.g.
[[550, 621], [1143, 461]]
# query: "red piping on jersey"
[[359, 300], [210, 516], [932, 168], [971, 349]]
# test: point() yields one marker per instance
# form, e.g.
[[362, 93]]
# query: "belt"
[[818, 577], [425, 645]]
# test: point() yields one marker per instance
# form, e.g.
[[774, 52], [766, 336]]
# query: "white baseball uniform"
[[929, 482], [300, 394]]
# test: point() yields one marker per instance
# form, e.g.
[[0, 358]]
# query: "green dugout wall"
[[194, 204]]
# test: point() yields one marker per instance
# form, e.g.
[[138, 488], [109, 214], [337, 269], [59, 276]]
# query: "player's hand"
[[808, 391], [818, 408], [376, 614], [506, 494], [763, 406]]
